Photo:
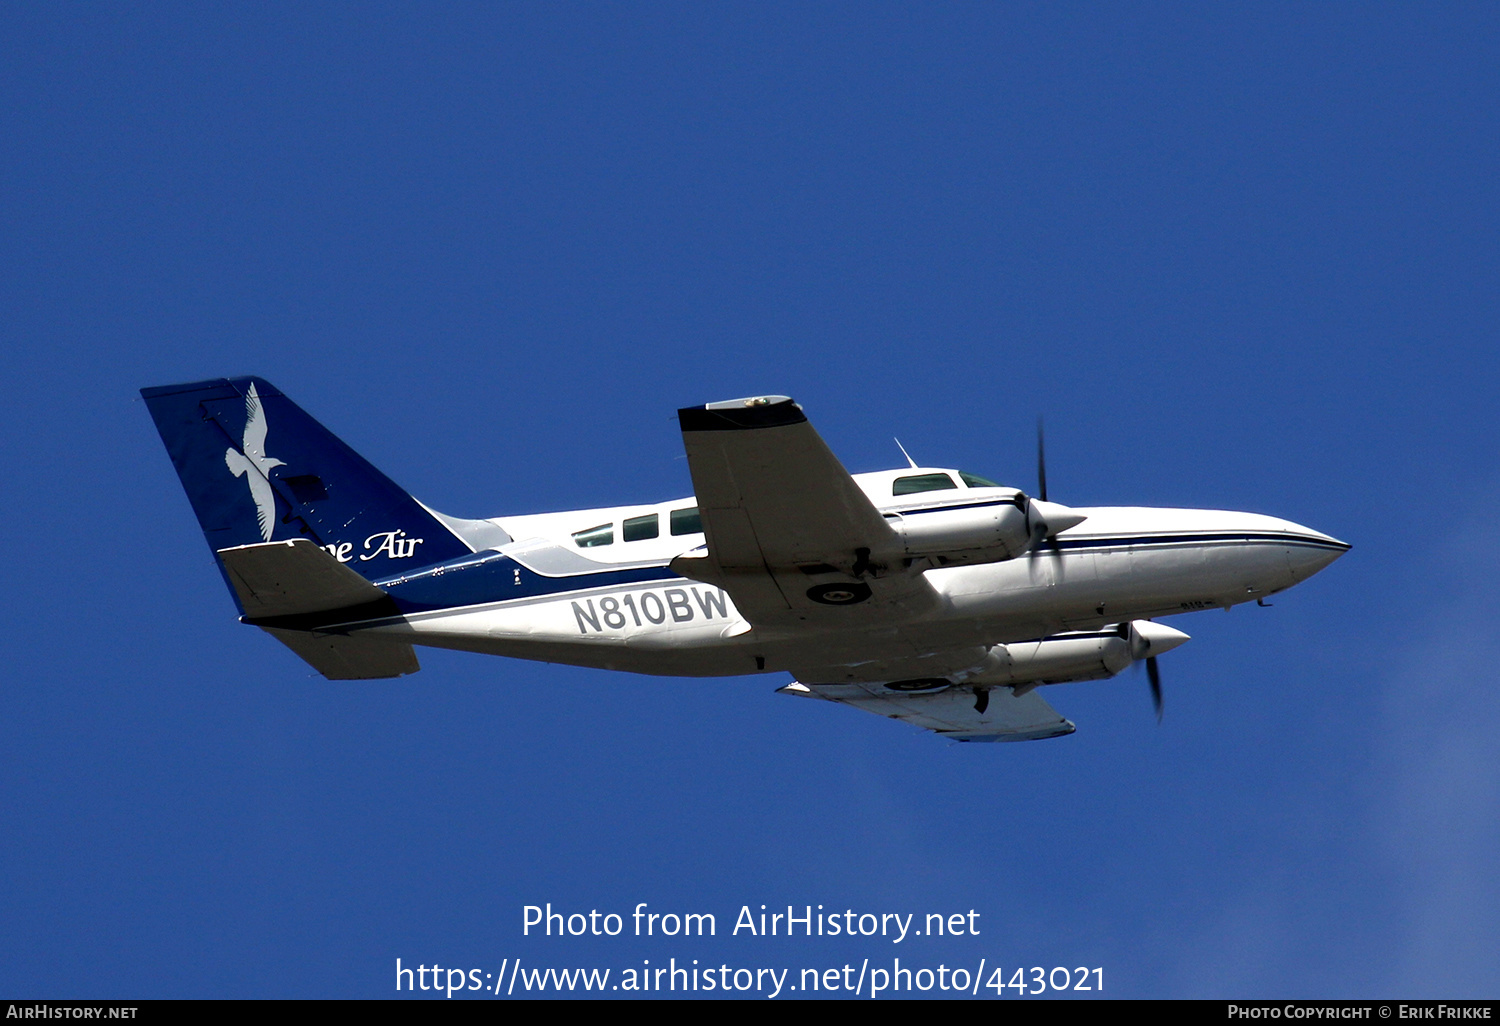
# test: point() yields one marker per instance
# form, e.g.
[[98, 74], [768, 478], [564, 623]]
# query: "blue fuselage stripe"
[[1270, 537], [501, 579]]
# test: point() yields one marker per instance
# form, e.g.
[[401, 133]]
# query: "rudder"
[[257, 468]]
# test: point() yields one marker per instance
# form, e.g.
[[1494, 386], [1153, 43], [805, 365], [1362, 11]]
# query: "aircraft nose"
[[1309, 551]]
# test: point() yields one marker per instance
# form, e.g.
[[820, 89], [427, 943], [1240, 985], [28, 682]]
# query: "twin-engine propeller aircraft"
[[924, 594]]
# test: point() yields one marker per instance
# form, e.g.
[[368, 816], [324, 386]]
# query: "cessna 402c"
[[924, 594]]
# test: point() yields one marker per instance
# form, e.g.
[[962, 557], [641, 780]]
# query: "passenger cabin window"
[[686, 521], [975, 481], [604, 534], [641, 528], [922, 483]]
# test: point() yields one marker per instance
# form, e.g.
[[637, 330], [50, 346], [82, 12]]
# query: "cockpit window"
[[922, 483], [974, 481], [604, 534], [686, 521], [641, 528]]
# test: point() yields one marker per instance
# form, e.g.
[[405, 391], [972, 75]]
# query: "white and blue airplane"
[[924, 594]]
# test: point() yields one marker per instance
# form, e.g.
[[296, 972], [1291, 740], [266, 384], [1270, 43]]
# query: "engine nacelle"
[[1081, 655], [984, 533], [1085, 656]]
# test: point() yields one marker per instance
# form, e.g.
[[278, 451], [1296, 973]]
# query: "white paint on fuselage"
[[1130, 562], [1120, 564]]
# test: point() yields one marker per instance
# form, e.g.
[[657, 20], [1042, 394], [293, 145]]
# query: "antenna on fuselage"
[[909, 460]]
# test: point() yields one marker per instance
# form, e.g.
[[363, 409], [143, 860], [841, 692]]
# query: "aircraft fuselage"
[[1121, 564]]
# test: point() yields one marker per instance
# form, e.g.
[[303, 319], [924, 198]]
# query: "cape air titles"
[[394, 544]]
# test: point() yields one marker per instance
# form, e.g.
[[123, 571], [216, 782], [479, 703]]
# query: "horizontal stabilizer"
[[339, 657], [288, 578], [951, 711], [298, 579]]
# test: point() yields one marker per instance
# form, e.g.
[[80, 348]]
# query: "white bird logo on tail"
[[255, 465]]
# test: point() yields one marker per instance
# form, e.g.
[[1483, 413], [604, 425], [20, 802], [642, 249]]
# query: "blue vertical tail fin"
[[257, 468]]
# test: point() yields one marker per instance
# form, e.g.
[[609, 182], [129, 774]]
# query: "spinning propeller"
[[1147, 641], [1040, 529], [1047, 520]]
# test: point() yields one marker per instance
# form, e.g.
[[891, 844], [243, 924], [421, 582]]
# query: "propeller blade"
[[1154, 675], [1041, 462]]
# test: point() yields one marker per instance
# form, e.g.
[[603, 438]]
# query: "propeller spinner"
[[1147, 641]]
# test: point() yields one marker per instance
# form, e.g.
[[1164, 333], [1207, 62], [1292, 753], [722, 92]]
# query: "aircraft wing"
[[950, 712], [789, 533]]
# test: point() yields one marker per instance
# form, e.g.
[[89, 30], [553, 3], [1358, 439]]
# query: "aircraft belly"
[[1020, 598], [721, 662], [674, 628]]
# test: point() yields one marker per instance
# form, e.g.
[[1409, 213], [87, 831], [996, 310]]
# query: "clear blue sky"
[[1241, 256]]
